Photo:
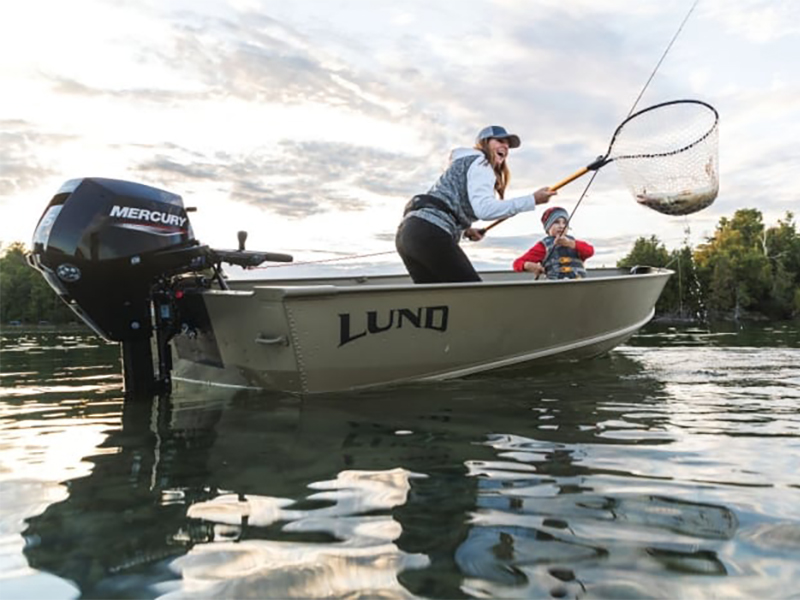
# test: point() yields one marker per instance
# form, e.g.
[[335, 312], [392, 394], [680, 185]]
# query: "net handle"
[[601, 161], [570, 179]]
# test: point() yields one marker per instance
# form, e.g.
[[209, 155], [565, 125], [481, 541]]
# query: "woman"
[[427, 238]]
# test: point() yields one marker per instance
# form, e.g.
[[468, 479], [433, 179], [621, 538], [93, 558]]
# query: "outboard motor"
[[113, 251]]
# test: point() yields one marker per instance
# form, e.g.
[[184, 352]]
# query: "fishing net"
[[667, 155]]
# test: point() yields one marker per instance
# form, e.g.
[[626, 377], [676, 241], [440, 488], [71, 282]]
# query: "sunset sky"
[[310, 123]]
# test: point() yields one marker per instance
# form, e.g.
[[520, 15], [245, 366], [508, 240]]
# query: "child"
[[558, 255]]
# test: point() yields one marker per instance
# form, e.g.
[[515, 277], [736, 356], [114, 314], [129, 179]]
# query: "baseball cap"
[[495, 131]]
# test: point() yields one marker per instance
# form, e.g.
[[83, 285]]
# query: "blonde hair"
[[502, 173]]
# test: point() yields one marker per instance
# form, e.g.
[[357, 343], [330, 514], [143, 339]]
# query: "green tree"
[[747, 268], [781, 245], [24, 294], [652, 252], [684, 287], [646, 251], [743, 268], [15, 285]]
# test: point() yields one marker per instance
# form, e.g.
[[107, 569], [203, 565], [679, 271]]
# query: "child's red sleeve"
[[584, 249], [535, 254]]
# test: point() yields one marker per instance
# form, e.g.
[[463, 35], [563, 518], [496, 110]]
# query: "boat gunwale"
[[328, 286]]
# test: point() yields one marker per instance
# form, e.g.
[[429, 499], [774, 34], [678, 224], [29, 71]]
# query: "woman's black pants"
[[431, 255]]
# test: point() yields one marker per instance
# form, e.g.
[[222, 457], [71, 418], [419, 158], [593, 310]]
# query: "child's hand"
[[564, 241], [534, 267]]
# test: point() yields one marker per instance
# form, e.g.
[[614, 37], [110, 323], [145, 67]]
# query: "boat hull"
[[336, 334]]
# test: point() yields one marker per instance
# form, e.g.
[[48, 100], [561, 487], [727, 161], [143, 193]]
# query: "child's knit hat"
[[551, 215]]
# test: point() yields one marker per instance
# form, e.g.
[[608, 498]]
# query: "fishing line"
[[636, 102]]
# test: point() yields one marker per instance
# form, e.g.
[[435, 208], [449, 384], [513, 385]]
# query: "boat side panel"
[[253, 338], [351, 340]]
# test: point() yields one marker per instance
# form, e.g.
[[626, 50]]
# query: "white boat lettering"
[[424, 317], [143, 214]]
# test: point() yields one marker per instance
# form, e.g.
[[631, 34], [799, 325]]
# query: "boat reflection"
[[488, 486]]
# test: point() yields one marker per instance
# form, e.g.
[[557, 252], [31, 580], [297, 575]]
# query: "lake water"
[[669, 468]]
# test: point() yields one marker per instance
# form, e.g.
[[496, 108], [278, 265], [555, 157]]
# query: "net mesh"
[[668, 157]]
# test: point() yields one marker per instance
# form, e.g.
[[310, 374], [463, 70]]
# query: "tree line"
[[744, 269], [25, 297]]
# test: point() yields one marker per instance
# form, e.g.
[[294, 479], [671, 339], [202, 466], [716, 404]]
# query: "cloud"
[[309, 112], [259, 59], [20, 165], [435, 87], [251, 57], [295, 179], [759, 21], [137, 95]]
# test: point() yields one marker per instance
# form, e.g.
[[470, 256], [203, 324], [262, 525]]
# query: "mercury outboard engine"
[[116, 253]]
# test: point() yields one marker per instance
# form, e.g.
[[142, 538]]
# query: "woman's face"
[[498, 150]]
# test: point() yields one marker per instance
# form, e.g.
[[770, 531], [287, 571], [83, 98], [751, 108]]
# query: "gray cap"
[[495, 131]]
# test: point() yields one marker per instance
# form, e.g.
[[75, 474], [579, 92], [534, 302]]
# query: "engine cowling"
[[101, 243], [123, 256]]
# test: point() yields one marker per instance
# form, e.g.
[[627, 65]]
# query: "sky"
[[309, 124]]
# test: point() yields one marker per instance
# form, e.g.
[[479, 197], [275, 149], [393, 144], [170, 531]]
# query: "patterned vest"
[[451, 188], [562, 262]]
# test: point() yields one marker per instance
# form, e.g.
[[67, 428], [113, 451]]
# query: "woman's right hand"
[[542, 195]]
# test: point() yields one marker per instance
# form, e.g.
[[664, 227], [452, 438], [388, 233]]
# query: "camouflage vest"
[[561, 262]]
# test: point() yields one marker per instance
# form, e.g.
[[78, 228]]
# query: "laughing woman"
[[468, 190]]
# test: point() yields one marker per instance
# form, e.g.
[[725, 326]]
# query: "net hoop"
[[635, 115], [667, 155]]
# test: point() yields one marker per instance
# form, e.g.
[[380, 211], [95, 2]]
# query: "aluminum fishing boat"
[[124, 257]]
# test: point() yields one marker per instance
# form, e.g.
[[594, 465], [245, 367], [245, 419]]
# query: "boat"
[[124, 257]]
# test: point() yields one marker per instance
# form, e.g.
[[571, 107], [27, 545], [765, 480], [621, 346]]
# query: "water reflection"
[[591, 482], [288, 497], [551, 510], [348, 549]]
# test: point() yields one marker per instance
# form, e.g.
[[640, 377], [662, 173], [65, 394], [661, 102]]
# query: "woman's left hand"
[[474, 235]]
